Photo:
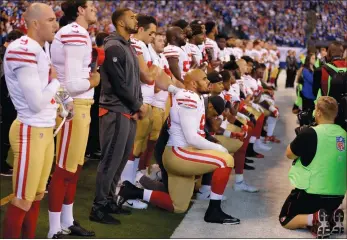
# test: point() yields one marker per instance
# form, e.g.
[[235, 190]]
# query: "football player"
[[195, 41], [178, 59], [32, 84], [71, 53], [188, 154]]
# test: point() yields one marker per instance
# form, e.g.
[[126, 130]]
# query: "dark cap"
[[180, 23], [231, 65], [214, 77], [217, 103], [196, 29]]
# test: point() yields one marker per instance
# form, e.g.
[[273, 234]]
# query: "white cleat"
[[136, 204], [243, 186], [206, 196], [259, 146]]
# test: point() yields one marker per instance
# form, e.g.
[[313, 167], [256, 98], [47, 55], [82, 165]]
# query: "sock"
[[215, 196], [147, 195], [205, 188], [160, 199], [57, 188], [252, 139], [150, 151], [238, 178], [66, 218], [309, 219], [271, 123], [30, 221], [54, 223], [259, 126], [220, 180], [128, 172], [13, 222], [135, 167], [71, 187]]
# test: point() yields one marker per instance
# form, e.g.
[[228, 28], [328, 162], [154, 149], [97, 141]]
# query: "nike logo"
[[131, 204]]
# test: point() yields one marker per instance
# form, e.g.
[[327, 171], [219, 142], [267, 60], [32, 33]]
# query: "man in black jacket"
[[120, 106], [7, 108]]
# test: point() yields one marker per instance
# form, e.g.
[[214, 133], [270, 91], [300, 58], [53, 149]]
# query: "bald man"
[[32, 84], [188, 154], [177, 58]]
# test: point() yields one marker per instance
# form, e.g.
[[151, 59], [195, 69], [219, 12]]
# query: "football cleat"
[[243, 186], [128, 191], [77, 230], [216, 215], [320, 224], [336, 222]]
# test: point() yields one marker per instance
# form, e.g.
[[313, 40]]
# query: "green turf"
[[149, 223]]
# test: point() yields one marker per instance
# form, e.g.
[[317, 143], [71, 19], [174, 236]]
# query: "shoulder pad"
[[73, 34], [23, 52], [187, 99], [171, 51]]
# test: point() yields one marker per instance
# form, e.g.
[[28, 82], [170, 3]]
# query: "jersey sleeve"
[[135, 44], [187, 99], [170, 52], [22, 54], [74, 35]]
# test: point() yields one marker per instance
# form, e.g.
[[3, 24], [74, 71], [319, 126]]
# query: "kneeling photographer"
[[318, 174]]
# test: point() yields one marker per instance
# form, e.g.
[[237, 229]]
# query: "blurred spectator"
[[283, 22], [292, 67]]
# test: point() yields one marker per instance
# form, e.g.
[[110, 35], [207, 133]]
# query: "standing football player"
[[71, 55], [32, 84]]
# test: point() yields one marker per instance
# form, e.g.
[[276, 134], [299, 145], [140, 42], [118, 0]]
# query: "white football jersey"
[[187, 99], [234, 92], [72, 35], [188, 49], [183, 58], [237, 52], [160, 60], [197, 53], [212, 44], [250, 84], [224, 55], [26, 52], [142, 49]]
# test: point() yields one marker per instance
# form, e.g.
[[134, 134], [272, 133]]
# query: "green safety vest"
[[298, 101], [326, 174], [317, 63]]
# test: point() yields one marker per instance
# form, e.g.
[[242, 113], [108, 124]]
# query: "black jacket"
[[120, 74]]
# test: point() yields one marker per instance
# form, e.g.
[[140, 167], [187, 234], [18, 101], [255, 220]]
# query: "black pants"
[[300, 202], [290, 78], [9, 114], [307, 104], [117, 135]]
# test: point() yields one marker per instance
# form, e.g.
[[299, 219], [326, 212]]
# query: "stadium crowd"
[[200, 101], [282, 22]]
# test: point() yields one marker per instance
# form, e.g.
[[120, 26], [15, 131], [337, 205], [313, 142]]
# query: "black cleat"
[[113, 208], [336, 222], [249, 160], [248, 167], [128, 191], [216, 215], [320, 224], [101, 216], [77, 230], [60, 235]]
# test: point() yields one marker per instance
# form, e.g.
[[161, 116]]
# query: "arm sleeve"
[[29, 82], [116, 76], [305, 146], [307, 75], [74, 55], [317, 75], [189, 127]]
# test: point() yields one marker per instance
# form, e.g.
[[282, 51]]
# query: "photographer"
[[318, 174]]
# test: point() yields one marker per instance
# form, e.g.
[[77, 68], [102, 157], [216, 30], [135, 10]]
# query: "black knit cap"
[[217, 103], [214, 77], [231, 65], [180, 23]]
